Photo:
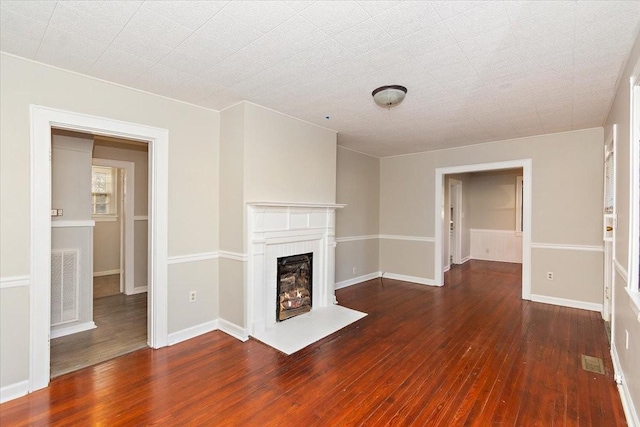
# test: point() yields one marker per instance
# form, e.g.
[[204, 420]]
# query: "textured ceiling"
[[475, 71]]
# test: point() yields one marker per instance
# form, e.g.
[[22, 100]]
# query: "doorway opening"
[[111, 277], [43, 120], [455, 222], [442, 225]]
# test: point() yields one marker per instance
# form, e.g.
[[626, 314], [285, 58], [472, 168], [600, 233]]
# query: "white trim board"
[[192, 332], [585, 248], [527, 173], [203, 256], [105, 273], [236, 256], [357, 238], [14, 282], [14, 391], [583, 305], [412, 279], [356, 280], [74, 329], [409, 238], [630, 412], [229, 328], [42, 119], [73, 223]]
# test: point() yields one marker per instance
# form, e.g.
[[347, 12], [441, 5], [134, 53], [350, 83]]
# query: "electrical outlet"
[[354, 271], [549, 275], [192, 296]]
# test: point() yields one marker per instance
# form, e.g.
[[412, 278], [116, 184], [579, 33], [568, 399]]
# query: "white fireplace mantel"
[[278, 229]]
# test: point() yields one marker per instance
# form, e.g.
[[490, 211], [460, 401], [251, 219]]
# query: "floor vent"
[[592, 364]]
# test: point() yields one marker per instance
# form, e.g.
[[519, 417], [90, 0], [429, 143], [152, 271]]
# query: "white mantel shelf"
[[296, 205]]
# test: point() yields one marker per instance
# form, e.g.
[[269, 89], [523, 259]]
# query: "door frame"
[[457, 220], [609, 242], [42, 120], [527, 173], [127, 244]]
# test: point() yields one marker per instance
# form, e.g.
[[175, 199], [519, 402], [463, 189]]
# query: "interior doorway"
[[43, 120], [114, 310], [441, 215], [455, 222]]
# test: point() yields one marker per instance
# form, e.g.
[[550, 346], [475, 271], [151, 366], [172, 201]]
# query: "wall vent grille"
[[64, 286]]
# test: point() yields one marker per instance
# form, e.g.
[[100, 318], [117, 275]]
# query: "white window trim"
[[634, 207], [115, 194]]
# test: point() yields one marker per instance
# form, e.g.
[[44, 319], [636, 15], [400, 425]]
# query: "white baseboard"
[[105, 273], [140, 290], [465, 259], [413, 279], [630, 412], [446, 268], [356, 280], [234, 330], [14, 391], [496, 259], [192, 332], [74, 329], [591, 306]]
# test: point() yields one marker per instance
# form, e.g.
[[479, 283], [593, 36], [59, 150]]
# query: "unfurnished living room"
[[320, 213]]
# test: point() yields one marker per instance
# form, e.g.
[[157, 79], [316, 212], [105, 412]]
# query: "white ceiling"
[[476, 71]]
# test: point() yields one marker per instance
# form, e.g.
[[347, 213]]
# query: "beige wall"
[[71, 192], [624, 317], [567, 198], [493, 200], [358, 186], [286, 159], [232, 209], [193, 183], [106, 246], [271, 157]]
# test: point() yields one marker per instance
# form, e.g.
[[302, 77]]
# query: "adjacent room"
[[333, 212]]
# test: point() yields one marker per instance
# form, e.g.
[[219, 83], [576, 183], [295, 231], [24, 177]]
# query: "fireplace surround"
[[277, 230]]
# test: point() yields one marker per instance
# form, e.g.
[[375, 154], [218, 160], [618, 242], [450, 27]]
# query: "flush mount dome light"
[[389, 96]]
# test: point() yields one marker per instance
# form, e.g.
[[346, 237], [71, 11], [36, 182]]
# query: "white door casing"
[[455, 200], [609, 222], [527, 172], [42, 120]]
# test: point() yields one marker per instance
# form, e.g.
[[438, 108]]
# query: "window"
[[104, 185]]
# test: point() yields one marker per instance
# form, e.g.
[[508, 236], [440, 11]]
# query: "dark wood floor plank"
[[469, 353]]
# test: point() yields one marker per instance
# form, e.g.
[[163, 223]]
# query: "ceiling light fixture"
[[389, 96]]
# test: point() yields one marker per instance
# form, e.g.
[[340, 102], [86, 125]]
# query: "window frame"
[[113, 195], [633, 283]]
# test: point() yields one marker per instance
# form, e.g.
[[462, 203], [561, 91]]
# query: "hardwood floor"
[[121, 322], [105, 286], [469, 353]]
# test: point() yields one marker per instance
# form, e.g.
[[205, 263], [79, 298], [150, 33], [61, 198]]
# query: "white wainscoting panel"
[[496, 245]]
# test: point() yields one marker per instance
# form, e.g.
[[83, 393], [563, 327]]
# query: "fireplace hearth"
[[294, 285]]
